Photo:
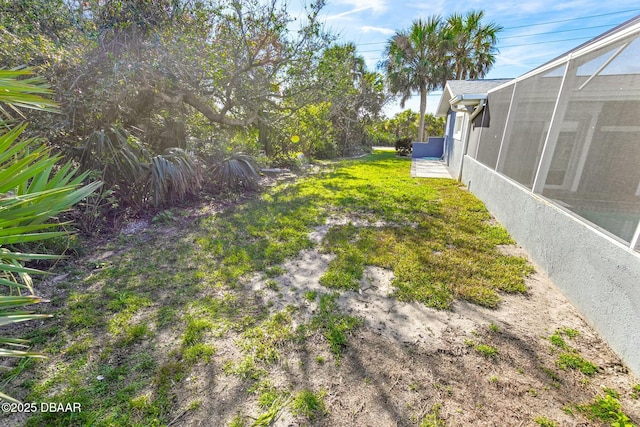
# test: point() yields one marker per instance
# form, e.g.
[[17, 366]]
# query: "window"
[[458, 126]]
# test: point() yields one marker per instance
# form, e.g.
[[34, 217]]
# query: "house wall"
[[456, 145], [448, 136], [599, 275]]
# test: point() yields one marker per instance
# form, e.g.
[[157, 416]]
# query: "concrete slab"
[[429, 168]]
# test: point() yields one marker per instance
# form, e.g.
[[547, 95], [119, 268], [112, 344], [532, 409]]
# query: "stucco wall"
[[432, 148], [599, 275], [455, 154]]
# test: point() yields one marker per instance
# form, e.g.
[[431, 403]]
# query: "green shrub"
[[403, 146]]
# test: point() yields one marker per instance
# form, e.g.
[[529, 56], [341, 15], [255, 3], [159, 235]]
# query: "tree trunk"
[[423, 109]]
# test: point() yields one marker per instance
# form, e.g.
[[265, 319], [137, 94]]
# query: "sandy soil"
[[408, 358]]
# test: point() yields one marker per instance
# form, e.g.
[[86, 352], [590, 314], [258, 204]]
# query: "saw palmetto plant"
[[34, 188]]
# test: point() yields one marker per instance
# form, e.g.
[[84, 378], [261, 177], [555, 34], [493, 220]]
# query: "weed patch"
[[573, 360], [486, 350], [333, 324], [606, 408], [635, 391], [545, 422], [433, 418], [308, 404]]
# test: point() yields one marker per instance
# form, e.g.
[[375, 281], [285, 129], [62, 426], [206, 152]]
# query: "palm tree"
[[472, 48], [431, 51], [416, 60]]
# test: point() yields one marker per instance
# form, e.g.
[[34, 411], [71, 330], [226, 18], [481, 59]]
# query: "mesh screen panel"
[[595, 166], [529, 121], [495, 118]]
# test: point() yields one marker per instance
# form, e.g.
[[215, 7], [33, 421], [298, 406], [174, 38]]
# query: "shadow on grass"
[[146, 336]]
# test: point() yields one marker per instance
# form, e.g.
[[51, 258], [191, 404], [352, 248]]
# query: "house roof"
[[455, 88]]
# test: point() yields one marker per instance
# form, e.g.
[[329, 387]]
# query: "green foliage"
[[236, 172], [424, 56], [310, 295], [273, 401], [188, 289], [433, 418], [34, 188], [264, 341], [354, 98], [164, 217], [345, 271], [635, 391], [310, 131], [134, 174], [573, 360], [333, 324], [174, 175], [471, 44], [437, 240], [545, 422], [486, 350], [403, 146], [557, 340], [569, 332], [606, 408], [405, 125], [20, 90], [308, 404]]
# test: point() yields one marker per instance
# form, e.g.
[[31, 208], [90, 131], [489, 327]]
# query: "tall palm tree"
[[422, 58], [416, 60], [472, 48]]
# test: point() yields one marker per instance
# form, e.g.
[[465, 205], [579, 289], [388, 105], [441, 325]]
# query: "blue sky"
[[535, 31]]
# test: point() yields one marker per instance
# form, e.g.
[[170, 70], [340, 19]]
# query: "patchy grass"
[[334, 325], [433, 418], [635, 391], [308, 404], [434, 236], [486, 350], [144, 323], [606, 408], [543, 421]]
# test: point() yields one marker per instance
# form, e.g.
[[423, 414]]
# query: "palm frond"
[[174, 175], [237, 171], [33, 189], [119, 155], [19, 89]]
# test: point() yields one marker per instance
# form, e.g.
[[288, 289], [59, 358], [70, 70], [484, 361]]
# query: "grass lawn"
[[161, 328]]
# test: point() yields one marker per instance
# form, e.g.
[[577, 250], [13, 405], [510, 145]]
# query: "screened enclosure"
[[570, 132]]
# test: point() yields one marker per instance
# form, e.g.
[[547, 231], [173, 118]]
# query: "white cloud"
[[381, 30], [377, 7], [341, 15]]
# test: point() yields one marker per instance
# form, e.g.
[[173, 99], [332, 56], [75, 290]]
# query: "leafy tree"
[[356, 95], [37, 33], [403, 125], [311, 131]]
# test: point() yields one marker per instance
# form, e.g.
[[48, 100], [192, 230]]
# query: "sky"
[[534, 31]]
